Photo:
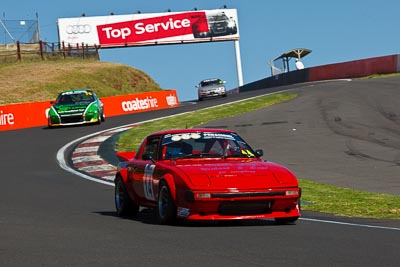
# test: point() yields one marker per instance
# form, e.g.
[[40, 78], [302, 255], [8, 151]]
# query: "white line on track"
[[350, 224], [61, 152]]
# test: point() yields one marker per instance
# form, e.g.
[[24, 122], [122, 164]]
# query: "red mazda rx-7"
[[204, 174]]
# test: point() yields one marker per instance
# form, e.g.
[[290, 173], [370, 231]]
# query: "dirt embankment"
[[41, 81]]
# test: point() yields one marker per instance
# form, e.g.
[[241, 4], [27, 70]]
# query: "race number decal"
[[148, 181]]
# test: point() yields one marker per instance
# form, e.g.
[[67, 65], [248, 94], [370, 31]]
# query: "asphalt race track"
[[343, 133]]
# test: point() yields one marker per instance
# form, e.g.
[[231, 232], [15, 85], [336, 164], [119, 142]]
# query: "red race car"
[[204, 174]]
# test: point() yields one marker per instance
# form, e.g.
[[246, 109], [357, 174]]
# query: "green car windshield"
[[74, 98]]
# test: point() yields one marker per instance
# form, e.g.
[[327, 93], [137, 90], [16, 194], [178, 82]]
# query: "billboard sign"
[[150, 29]]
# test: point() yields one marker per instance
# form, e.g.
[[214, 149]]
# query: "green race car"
[[72, 107]]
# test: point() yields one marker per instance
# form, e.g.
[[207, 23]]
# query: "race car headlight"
[[202, 195], [192, 196], [292, 193]]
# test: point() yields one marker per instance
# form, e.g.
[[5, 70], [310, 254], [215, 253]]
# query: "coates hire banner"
[[150, 29], [26, 115]]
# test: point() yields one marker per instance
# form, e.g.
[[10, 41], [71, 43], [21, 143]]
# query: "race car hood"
[[70, 109], [242, 174]]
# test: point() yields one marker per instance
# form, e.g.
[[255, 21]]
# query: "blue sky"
[[336, 31]]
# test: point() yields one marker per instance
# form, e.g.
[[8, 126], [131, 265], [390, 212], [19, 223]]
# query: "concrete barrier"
[[355, 69], [343, 70]]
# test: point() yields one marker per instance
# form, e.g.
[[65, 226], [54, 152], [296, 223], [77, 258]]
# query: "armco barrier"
[[26, 115]]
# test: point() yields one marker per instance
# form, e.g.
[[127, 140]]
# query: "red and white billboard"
[[150, 29]]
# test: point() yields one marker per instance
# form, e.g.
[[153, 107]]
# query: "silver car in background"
[[210, 88]]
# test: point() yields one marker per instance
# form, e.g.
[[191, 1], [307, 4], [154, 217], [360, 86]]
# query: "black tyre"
[[49, 124], [98, 117], [166, 209], [123, 203]]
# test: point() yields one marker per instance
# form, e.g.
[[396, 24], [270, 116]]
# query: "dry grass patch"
[[42, 81]]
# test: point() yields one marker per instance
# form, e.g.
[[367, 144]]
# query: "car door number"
[[148, 181]]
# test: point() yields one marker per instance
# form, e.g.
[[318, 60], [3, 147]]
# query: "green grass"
[[374, 76], [348, 202], [315, 196]]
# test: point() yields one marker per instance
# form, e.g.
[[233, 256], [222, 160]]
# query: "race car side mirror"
[[148, 156], [260, 152], [125, 156]]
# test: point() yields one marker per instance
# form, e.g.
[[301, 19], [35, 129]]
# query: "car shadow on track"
[[69, 126], [147, 216]]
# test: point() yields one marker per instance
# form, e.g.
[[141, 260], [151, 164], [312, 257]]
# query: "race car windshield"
[[84, 97], [210, 82], [205, 145], [75, 98]]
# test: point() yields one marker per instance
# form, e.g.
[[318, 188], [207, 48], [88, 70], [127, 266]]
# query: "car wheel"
[[123, 203], [99, 120], [166, 209], [103, 117], [49, 123]]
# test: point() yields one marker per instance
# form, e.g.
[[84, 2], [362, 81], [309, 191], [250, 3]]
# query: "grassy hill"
[[43, 80]]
